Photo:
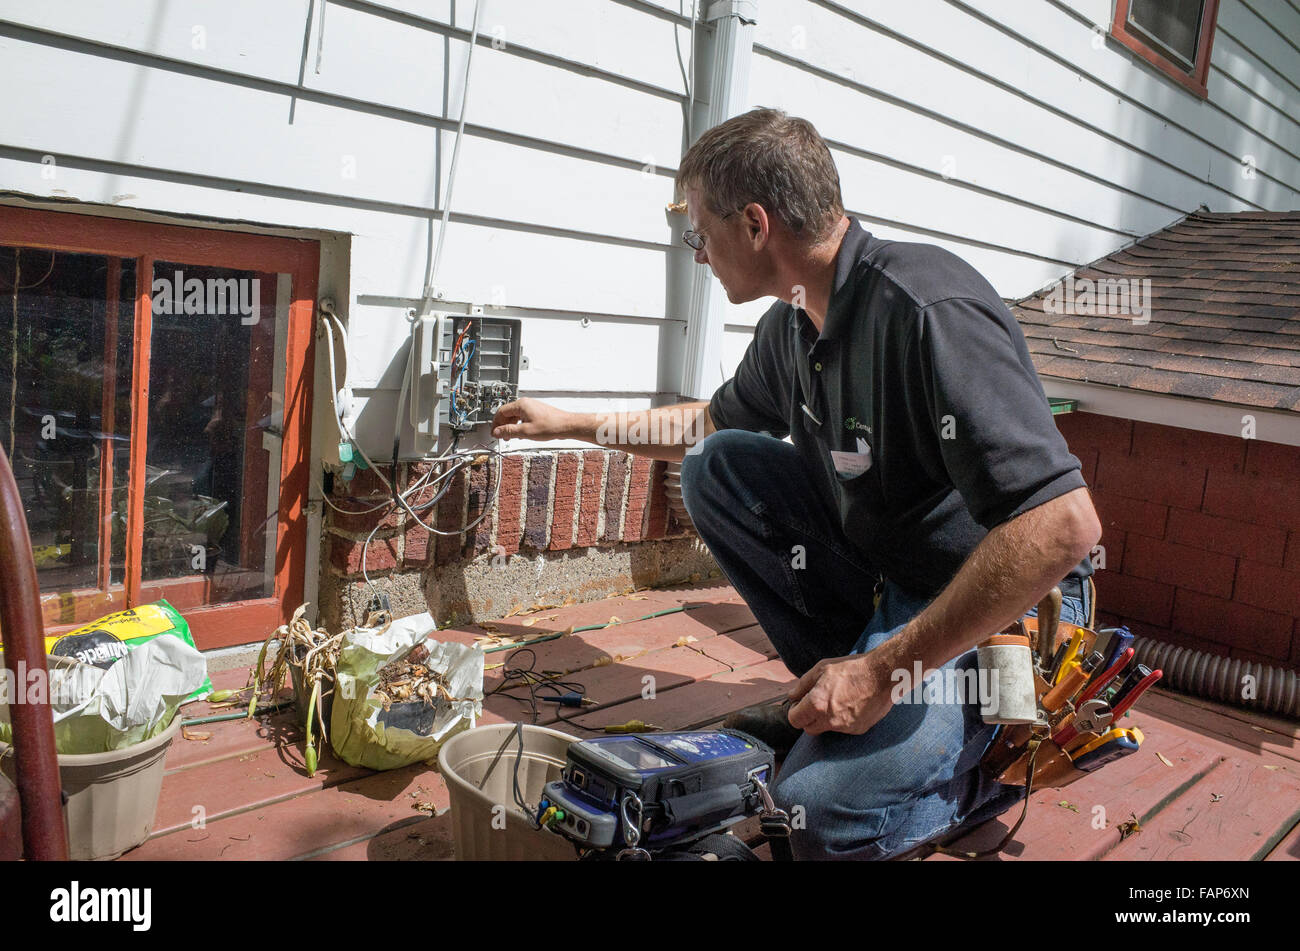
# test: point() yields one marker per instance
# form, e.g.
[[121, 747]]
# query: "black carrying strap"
[[780, 845]]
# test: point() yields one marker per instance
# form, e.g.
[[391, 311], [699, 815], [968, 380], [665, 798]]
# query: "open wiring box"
[[479, 360], [465, 368]]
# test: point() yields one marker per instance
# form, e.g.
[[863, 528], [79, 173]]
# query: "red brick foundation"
[[1201, 535], [553, 501]]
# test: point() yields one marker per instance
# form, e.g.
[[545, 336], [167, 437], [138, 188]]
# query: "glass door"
[[155, 404]]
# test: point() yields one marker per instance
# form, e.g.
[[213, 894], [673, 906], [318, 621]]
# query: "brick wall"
[[547, 502], [1201, 535]]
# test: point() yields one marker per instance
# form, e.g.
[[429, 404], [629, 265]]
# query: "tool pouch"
[[1008, 756]]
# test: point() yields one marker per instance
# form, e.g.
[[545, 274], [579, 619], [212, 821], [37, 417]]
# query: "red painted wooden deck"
[[1230, 789]]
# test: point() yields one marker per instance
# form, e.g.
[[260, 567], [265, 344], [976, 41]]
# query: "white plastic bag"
[[97, 710], [359, 733]]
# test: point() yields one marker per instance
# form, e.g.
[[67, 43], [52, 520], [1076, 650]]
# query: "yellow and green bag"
[[107, 640]]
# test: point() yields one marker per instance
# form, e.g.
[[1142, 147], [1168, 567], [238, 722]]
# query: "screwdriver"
[[1073, 676], [1072, 648]]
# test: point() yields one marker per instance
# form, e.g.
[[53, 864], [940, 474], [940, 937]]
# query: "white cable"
[[426, 303], [690, 103], [329, 316], [320, 36], [455, 161]]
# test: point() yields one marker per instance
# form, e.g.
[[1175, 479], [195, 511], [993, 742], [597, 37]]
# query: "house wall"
[[1011, 133], [1201, 535], [1022, 138]]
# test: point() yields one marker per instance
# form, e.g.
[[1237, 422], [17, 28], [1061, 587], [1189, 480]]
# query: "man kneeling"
[[923, 500]]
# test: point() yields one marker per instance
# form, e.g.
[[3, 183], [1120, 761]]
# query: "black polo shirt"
[[917, 408]]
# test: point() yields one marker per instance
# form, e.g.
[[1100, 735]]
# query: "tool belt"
[[1008, 757], [1084, 683]]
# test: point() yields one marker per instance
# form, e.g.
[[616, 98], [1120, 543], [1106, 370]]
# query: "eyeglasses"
[[695, 239]]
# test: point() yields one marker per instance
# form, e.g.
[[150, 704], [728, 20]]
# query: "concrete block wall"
[[1201, 535]]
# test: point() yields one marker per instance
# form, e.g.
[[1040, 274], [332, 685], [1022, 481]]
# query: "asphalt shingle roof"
[[1219, 320]]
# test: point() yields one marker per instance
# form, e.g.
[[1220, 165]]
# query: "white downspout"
[[731, 49]]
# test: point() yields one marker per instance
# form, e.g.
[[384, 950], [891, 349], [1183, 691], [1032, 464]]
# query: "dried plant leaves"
[[1129, 826]]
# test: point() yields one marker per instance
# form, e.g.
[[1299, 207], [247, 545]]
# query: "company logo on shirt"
[[852, 425]]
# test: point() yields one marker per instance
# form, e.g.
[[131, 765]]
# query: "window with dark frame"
[[1174, 36]]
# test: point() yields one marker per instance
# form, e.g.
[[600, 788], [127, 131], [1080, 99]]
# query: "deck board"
[[359, 808], [708, 661], [1239, 811]]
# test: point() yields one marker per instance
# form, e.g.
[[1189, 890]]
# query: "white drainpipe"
[[728, 60], [729, 56]]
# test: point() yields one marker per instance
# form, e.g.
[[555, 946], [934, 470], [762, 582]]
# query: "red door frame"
[[244, 621]]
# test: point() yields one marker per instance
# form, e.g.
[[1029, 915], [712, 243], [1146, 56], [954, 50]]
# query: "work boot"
[[769, 723]]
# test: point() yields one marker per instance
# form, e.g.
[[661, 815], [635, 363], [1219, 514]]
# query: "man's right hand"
[[665, 432], [528, 418]]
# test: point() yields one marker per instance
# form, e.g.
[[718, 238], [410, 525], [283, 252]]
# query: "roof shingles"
[[1221, 322]]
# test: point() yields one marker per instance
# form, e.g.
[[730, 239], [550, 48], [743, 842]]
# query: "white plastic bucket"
[[112, 798], [486, 823]]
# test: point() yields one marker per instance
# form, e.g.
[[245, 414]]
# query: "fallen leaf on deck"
[[1129, 826], [1215, 797], [683, 641], [637, 597], [614, 619], [1164, 759], [195, 734], [602, 662], [529, 622], [1270, 767], [1066, 804]]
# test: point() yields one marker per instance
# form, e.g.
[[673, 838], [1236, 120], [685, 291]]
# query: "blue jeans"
[[915, 775]]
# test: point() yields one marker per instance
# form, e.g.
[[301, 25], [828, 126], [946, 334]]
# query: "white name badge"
[[850, 465]]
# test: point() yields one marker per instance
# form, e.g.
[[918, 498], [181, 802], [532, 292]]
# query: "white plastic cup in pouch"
[[1006, 675]]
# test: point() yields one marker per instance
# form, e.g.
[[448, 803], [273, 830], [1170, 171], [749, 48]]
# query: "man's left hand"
[[842, 694]]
